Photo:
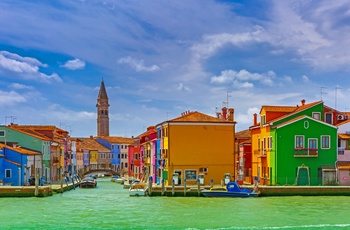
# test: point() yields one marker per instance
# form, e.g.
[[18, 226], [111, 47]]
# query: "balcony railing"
[[341, 150], [260, 152], [301, 152]]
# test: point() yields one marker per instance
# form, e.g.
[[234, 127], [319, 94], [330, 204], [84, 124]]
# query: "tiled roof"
[[117, 140], [285, 109], [343, 136], [31, 133], [41, 127], [21, 150], [343, 122], [298, 109], [92, 144], [198, 117], [243, 134], [299, 118]]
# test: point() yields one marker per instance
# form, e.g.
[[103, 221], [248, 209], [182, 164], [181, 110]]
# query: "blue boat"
[[232, 189]]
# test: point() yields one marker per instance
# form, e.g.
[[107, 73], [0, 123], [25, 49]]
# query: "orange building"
[[196, 146]]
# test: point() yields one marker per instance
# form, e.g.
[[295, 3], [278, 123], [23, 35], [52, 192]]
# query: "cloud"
[[9, 98], [25, 67], [19, 86], [242, 78], [74, 64], [138, 65], [181, 87]]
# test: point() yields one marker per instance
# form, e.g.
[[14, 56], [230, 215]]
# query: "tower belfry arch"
[[102, 112]]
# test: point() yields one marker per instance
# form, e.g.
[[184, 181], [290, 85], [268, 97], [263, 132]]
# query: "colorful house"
[[343, 161], [294, 145], [95, 154], [31, 140], [148, 148], [243, 153], [119, 151], [15, 164], [196, 146]]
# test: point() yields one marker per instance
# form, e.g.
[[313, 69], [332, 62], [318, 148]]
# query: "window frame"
[[296, 142], [322, 142]]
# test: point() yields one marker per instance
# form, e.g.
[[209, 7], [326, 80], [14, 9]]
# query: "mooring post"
[[162, 187], [150, 186], [173, 188], [72, 177], [199, 187], [36, 176], [184, 187], [211, 183]]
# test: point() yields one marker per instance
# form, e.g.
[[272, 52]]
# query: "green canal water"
[[110, 207]]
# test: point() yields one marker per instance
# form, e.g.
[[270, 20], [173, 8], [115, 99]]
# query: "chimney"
[[224, 113], [255, 120], [231, 114], [91, 137], [218, 115], [303, 102]]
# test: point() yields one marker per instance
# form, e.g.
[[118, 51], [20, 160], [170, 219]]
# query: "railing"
[[341, 150], [300, 152], [55, 160]]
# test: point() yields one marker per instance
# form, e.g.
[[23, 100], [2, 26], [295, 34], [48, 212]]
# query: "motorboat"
[[138, 189], [117, 179], [88, 182], [232, 189]]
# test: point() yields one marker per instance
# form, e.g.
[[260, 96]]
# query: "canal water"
[[110, 207]]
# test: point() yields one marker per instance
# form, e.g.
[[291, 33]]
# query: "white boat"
[[138, 189]]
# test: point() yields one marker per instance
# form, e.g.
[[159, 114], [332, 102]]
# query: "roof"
[[117, 140], [21, 150], [298, 109], [198, 117], [30, 132], [343, 122], [343, 136], [92, 144], [102, 94], [285, 109], [243, 134]]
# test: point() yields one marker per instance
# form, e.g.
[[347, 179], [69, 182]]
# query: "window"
[[325, 142], [312, 143], [262, 120], [2, 133], [299, 142], [329, 118], [191, 174], [258, 143], [316, 115], [270, 143], [8, 173]]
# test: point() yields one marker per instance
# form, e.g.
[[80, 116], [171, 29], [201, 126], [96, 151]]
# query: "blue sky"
[[161, 58]]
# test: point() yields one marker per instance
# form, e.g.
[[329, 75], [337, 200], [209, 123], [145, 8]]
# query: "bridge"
[[101, 171]]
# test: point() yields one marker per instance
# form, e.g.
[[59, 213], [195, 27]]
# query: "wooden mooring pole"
[[185, 187]]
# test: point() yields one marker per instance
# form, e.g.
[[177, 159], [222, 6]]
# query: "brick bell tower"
[[102, 112]]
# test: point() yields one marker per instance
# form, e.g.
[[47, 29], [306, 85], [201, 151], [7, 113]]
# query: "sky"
[[159, 59]]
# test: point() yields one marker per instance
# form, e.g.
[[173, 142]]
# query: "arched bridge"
[[101, 171]]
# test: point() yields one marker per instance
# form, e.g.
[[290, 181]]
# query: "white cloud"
[[24, 67], [9, 98], [74, 64], [182, 87], [19, 86], [242, 78], [138, 65]]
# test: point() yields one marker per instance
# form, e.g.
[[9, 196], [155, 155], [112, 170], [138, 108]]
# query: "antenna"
[[12, 119], [322, 92], [336, 90], [228, 95]]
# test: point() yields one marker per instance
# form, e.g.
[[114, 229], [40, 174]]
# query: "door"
[[303, 176]]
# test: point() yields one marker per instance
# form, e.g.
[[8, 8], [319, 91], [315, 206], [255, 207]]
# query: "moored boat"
[[88, 182], [138, 189], [232, 189]]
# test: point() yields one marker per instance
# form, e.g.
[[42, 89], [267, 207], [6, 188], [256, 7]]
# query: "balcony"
[[55, 160], [147, 160], [260, 152], [301, 152]]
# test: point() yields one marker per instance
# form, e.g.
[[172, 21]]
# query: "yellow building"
[[196, 146]]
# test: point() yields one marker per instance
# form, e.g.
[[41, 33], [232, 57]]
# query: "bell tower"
[[102, 112]]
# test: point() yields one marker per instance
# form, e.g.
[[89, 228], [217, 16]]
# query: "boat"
[[117, 179], [138, 189], [232, 189], [88, 182]]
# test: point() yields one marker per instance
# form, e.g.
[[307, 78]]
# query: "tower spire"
[[102, 111]]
